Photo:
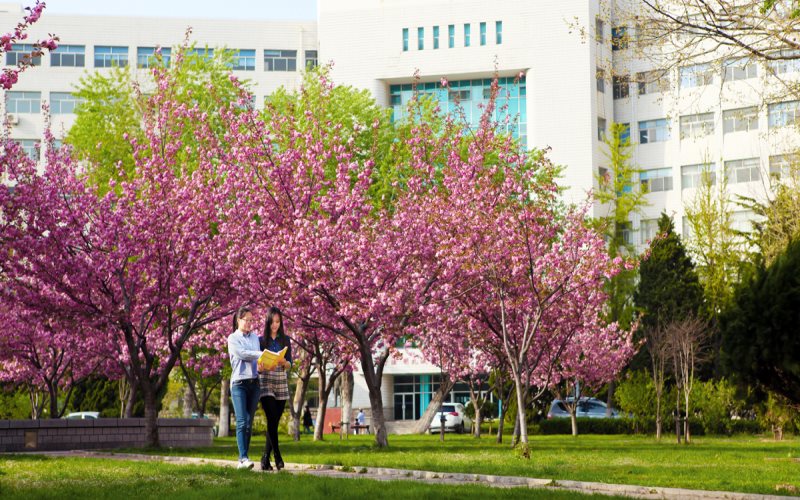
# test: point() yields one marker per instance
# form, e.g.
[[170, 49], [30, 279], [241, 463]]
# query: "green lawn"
[[742, 463], [31, 477]]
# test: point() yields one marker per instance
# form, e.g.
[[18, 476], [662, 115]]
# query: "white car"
[[455, 419], [83, 415]]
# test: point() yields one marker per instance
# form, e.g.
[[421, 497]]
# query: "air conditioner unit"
[[13, 118]]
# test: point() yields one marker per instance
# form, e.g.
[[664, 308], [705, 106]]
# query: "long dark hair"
[[282, 339], [238, 314]]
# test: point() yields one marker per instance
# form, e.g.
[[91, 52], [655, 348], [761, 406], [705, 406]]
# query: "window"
[[601, 129], [62, 103], [625, 133], [459, 95], [22, 52], [696, 75], [498, 32], [621, 86], [789, 62], [740, 120], [655, 180], [205, 52], [692, 175], [435, 37], [146, 56], [420, 38], [653, 131], [783, 114], [625, 234], [651, 82], [311, 59], [599, 28], [69, 55], [619, 38], [244, 60], [106, 56], [696, 126], [648, 229], [451, 35], [747, 170], [783, 166], [280, 60], [483, 33], [740, 69], [467, 30], [687, 231], [601, 80], [23, 102], [31, 148], [405, 40]]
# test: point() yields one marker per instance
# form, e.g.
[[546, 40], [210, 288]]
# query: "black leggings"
[[273, 409]]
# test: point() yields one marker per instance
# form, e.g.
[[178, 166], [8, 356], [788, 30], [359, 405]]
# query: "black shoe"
[[265, 462], [278, 462]]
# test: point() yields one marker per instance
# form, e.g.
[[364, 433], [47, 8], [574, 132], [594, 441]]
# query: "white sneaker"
[[245, 463]]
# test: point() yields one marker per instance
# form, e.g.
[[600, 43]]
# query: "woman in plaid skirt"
[[274, 384]]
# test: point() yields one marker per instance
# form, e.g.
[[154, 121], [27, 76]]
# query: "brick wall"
[[62, 434]]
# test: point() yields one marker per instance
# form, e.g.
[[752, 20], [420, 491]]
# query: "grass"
[[31, 477], [740, 463]]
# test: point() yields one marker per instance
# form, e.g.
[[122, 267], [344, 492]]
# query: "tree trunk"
[[52, 391], [476, 433], [658, 416], [515, 433], [475, 397], [523, 424], [424, 423], [506, 401], [188, 400], [298, 402], [319, 427], [224, 409], [346, 383], [150, 417], [609, 401], [376, 405], [574, 421], [500, 424]]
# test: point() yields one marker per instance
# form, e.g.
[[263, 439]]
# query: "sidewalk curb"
[[389, 474]]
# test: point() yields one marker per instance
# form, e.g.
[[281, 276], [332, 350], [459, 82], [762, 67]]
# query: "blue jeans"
[[244, 394]]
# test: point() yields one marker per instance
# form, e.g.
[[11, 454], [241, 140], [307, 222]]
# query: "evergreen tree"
[[669, 288], [760, 338]]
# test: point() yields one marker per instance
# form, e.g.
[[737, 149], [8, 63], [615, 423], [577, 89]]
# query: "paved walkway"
[[386, 474]]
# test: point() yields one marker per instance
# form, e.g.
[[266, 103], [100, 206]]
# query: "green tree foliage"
[[760, 336], [669, 287], [97, 394], [621, 199], [15, 403], [113, 104]]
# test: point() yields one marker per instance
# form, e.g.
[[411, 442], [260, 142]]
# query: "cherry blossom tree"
[[143, 264], [10, 75]]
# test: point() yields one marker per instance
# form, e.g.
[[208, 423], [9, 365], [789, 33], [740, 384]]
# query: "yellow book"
[[268, 360]]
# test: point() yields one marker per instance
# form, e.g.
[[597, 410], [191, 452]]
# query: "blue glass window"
[[451, 35], [106, 56], [405, 39], [498, 32], [146, 56], [280, 60], [653, 131], [420, 38], [68, 55], [483, 33], [244, 60], [467, 30], [435, 37], [62, 103], [23, 102], [20, 52]]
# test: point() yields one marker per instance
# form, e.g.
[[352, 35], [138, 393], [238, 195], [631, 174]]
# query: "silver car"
[[587, 408]]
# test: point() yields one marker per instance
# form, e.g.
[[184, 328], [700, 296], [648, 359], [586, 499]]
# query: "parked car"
[[83, 415], [587, 407], [455, 419]]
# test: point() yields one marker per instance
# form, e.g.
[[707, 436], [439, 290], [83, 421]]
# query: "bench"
[[356, 427]]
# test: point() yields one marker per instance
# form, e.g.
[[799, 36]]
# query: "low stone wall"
[[101, 433]]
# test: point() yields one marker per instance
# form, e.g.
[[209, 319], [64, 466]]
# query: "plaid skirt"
[[275, 384]]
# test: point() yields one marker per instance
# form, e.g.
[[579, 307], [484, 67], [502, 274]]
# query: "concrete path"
[[386, 474]]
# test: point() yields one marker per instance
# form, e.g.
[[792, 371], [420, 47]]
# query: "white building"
[[707, 118]]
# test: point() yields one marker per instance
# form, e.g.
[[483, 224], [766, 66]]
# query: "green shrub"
[[712, 403]]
